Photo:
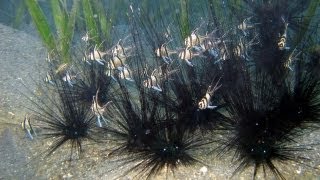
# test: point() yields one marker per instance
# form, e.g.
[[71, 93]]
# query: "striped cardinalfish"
[[27, 127], [204, 103]]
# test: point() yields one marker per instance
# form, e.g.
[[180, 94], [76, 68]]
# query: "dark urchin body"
[[62, 119], [153, 139], [266, 120]]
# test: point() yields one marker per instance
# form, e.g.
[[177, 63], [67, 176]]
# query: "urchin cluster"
[[149, 133], [159, 91]]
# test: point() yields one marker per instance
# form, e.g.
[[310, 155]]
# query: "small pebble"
[[298, 170], [67, 176], [203, 170]]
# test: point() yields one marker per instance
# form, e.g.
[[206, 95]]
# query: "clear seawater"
[[21, 63]]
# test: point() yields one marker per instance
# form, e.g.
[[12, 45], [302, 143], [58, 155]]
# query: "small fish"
[[283, 38], [117, 62], [156, 78], [118, 49], [187, 55], [204, 103], [293, 56], [152, 82], [125, 73], [110, 72], [86, 37], [48, 79], [192, 40], [61, 68], [99, 110], [246, 25], [26, 126], [164, 53], [241, 49], [69, 78], [49, 58], [223, 54], [95, 55]]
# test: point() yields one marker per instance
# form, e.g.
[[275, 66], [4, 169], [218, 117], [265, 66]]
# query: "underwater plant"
[[57, 42]]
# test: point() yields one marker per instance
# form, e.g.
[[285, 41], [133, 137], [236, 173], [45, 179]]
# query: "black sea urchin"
[[93, 79], [265, 122], [61, 119], [145, 127], [150, 138], [300, 105]]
